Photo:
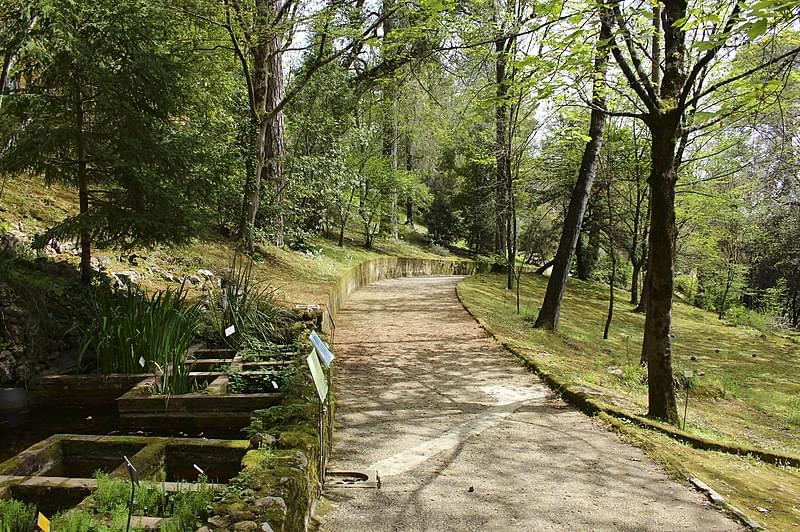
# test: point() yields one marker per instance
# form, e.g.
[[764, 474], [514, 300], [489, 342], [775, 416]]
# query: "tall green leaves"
[[134, 333]]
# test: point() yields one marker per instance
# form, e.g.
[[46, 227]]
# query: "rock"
[[276, 503], [265, 527], [258, 441], [203, 529], [245, 525], [12, 243], [615, 371], [218, 522], [193, 279], [241, 515], [208, 274], [167, 276], [128, 277], [301, 460]]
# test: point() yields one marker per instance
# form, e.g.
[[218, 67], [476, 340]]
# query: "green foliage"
[[250, 307], [187, 507], [740, 316], [130, 328], [74, 521], [16, 516], [114, 104]]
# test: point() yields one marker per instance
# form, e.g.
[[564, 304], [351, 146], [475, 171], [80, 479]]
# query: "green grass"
[[750, 383], [749, 392]]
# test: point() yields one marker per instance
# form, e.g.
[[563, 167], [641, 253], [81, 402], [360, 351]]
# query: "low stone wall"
[[392, 268]]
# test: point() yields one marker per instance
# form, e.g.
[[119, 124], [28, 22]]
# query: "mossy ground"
[[748, 394]]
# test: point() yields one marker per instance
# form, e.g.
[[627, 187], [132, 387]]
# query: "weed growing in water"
[[16, 516], [134, 333]]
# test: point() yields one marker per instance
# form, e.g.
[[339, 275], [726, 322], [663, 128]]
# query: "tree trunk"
[[641, 308], [501, 131], [610, 314], [637, 271], [409, 168], [275, 142], [252, 187], [551, 306], [657, 344], [543, 268], [83, 187]]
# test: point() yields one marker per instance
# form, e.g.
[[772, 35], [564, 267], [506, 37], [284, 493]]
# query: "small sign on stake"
[[43, 523], [275, 385], [230, 330], [141, 361]]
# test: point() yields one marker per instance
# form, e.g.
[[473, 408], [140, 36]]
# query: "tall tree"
[[666, 106], [551, 306], [101, 114]]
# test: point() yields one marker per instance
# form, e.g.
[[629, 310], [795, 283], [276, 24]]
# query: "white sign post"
[[321, 383]]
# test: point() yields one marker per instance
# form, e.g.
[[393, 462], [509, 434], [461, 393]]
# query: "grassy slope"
[[299, 277], [749, 392]]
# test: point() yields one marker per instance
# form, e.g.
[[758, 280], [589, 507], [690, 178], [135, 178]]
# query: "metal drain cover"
[[351, 479]]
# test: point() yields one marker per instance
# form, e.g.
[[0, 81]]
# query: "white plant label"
[[230, 330], [320, 381], [197, 467], [141, 361], [275, 385], [688, 374]]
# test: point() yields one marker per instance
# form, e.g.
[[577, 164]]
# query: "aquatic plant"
[[134, 333], [250, 307], [16, 516]]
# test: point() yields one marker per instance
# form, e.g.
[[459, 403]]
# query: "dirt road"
[[464, 438]]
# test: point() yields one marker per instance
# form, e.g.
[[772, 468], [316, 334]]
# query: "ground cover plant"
[[108, 507], [16, 516]]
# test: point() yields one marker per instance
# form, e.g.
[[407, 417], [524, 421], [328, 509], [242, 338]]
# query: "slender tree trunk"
[[610, 314], [83, 187], [252, 188], [551, 306], [501, 132], [409, 168], [275, 141], [395, 166], [641, 308], [637, 271], [728, 284]]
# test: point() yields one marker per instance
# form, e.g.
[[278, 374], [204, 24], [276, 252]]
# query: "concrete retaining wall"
[[392, 268]]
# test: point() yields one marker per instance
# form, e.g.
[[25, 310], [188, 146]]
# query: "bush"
[[740, 316]]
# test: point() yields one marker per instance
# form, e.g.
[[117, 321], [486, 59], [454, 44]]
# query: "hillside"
[[43, 303]]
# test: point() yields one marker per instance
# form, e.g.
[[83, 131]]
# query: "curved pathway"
[[464, 438]]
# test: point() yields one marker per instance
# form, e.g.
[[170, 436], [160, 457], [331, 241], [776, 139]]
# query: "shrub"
[[740, 316], [250, 307]]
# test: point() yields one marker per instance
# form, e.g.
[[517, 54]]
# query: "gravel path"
[[464, 438]]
